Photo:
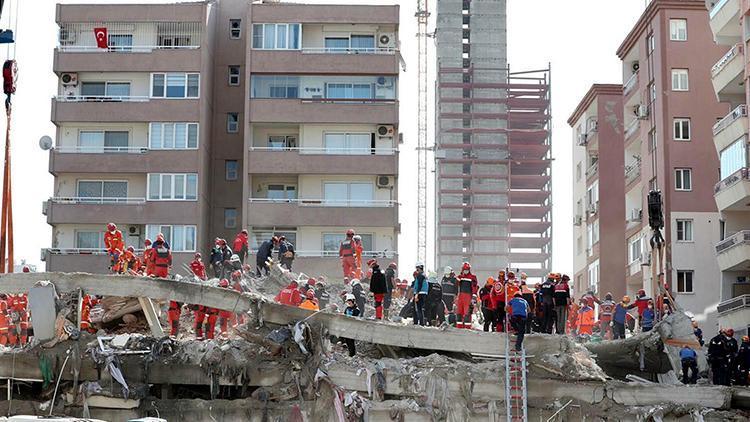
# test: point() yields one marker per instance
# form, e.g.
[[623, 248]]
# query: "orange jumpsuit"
[[129, 263], [346, 252], [198, 268], [88, 303], [224, 318], [18, 332], [358, 250], [572, 318], [310, 304], [148, 260], [585, 320], [114, 245], [4, 323], [206, 315]]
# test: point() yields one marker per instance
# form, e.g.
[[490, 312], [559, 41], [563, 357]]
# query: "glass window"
[[231, 170], [335, 194], [282, 141], [361, 194], [175, 85], [733, 157], [178, 187], [102, 191], [281, 192], [680, 80], [233, 122], [332, 241], [157, 85], [681, 129], [91, 141], [120, 42], [682, 180], [363, 91], [118, 89], [234, 75], [173, 135], [363, 43], [115, 141], [230, 218], [191, 188], [684, 230], [235, 28], [276, 36], [348, 143], [180, 238], [635, 251], [336, 45], [338, 90], [192, 135], [193, 85], [678, 29], [269, 36], [294, 36], [684, 281], [89, 240], [281, 32], [257, 36], [93, 89], [355, 194]]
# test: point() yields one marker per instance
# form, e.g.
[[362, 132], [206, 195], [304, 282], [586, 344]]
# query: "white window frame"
[[635, 250], [678, 125], [348, 200], [232, 30], [679, 179], [687, 230], [593, 275], [233, 126], [163, 125], [100, 237], [104, 147], [234, 78], [153, 229], [692, 282], [102, 181], [185, 75], [678, 32], [230, 222], [288, 26], [348, 149], [677, 80], [173, 177], [227, 174]]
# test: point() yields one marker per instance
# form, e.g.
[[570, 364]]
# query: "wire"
[[15, 29]]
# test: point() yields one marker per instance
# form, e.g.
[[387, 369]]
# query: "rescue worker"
[[519, 311], [352, 311], [205, 322], [240, 246], [732, 347], [606, 310], [689, 360], [378, 287], [162, 257], [434, 309], [743, 362], [562, 302], [528, 295], [265, 251], [129, 262], [114, 244], [419, 288], [585, 320], [698, 333], [224, 316], [449, 286], [619, 317], [286, 253], [358, 251], [289, 295], [4, 320], [324, 298], [648, 317], [216, 259], [197, 267], [498, 296], [571, 323], [641, 302], [359, 295], [488, 307], [547, 291], [467, 289], [87, 303], [346, 254], [148, 258], [310, 302], [235, 264], [718, 356], [390, 284]]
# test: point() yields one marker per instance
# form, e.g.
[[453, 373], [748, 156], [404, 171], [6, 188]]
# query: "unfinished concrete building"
[[493, 178]]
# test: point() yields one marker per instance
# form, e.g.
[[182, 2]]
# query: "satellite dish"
[[45, 143]]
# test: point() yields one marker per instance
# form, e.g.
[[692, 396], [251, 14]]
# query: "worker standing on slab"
[[358, 251], [585, 320], [562, 302], [390, 284], [148, 258], [265, 251], [240, 245], [648, 318], [719, 357], [378, 287], [497, 295], [419, 288], [87, 302], [114, 244], [467, 289], [286, 253], [689, 360], [488, 307], [289, 295], [732, 349], [434, 309], [346, 254], [519, 311], [450, 289], [547, 292], [324, 298], [619, 317], [641, 302], [606, 310], [197, 266], [224, 315], [528, 295], [352, 311], [743, 362], [310, 303], [359, 295]]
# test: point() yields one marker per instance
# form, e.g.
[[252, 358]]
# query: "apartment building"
[[669, 112], [493, 177], [731, 32], [201, 119], [599, 247]]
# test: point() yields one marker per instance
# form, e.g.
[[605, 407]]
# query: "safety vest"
[[346, 248], [606, 309], [198, 269], [586, 316], [163, 258], [113, 242]]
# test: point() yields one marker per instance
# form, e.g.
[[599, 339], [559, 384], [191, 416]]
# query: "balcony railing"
[[740, 111], [628, 86], [632, 128], [717, 6], [329, 151], [726, 58], [130, 37], [324, 50], [378, 203], [80, 251], [592, 170], [632, 172], [76, 200], [342, 100], [100, 150], [732, 179], [102, 98], [734, 304], [739, 238], [335, 253]]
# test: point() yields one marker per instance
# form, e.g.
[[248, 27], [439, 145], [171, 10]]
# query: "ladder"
[[515, 382]]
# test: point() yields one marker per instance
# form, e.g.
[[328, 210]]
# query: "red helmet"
[[466, 267], [350, 233], [372, 262], [224, 282], [641, 292], [26, 269], [198, 255], [131, 249], [392, 265], [310, 294], [243, 231], [236, 275], [111, 227], [147, 242], [729, 331], [311, 281], [222, 242]]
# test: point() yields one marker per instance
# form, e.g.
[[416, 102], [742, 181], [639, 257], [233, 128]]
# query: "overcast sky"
[[578, 38]]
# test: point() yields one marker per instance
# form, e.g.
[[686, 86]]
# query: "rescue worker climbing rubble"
[[240, 246], [197, 267], [378, 287], [114, 245], [467, 289], [347, 250], [224, 315]]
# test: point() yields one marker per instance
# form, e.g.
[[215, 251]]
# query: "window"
[[684, 281], [102, 141], [681, 129], [231, 170], [172, 187], [347, 91], [635, 250], [590, 239], [650, 44], [234, 75], [102, 191], [595, 232], [277, 36], [684, 230], [678, 29], [323, 87], [733, 157], [179, 238], [683, 179], [120, 42], [342, 194], [175, 85], [173, 136], [105, 89], [348, 143], [235, 28], [89, 240], [593, 273], [353, 43], [233, 122], [336, 45], [282, 192], [592, 196], [331, 242], [652, 140], [680, 80], [579, 172], [282, 141], [230, 218]]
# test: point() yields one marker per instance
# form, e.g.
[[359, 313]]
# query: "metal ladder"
[[515, 382]]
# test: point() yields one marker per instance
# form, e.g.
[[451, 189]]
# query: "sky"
[[578, 38]]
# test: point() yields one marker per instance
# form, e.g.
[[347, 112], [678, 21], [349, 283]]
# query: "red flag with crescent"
[[101, 37]]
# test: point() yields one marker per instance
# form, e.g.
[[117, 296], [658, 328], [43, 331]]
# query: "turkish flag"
[[101, 37]]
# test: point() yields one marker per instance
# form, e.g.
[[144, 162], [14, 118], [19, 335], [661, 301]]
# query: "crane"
[[423, 16]]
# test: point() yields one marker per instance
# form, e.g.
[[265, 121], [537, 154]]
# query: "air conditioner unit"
[[134, 231], [384, 182], [386, 131], [387, 40], [69, 79], [641, 111], [383, 82], [578, 220], [583, 139], [636, 66]]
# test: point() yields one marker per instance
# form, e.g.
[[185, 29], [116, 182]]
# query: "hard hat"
[[746, 339], [490, 281], [310, 294], [311, 281], [147, 242], [355, 281], [131, 249], [641, 292], [729, 331], [626, 299], [197, 255], [234, 258], [524, 276], [26, 269], [357, 237], [511, 275], [243, 231], [349, 297], [392, 265], [222, 242], [236, 275], [111, 227], [466, 267], [608, 296], [448, 270], [419, 264], [282, 237], [372, 262], [224, 282], [159, 237], [350, 232], [565, 277]]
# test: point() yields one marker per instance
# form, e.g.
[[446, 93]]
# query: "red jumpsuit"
[[224, 318], [467, 287], [88, 303], [289, 295], [4, 323], [358, 251], [205, 316], [346, 252], [198, 268], [498, 301], [148, 260], [114, 245]]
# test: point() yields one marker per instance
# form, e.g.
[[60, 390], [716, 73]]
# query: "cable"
[[54, 395]]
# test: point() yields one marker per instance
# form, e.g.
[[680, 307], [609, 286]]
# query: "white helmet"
[[234, 258], [448, 270], [419, 264], [349, 297]]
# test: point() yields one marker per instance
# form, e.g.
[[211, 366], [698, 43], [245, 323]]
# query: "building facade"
[[729, 75], [201, 119], [599, 248], [492, 178], [669, 112]]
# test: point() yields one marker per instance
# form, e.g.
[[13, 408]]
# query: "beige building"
[[204, 118]]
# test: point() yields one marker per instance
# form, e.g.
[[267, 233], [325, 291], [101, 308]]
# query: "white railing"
[[130, 37], [726, 58], [632, 128], [102, 98], [324, 50], [592, 170], [739, 238], [739, 111], [717, 6], [385, 101], [83, 200], [732, 179], [80, 251], [329, 151], [375, 203], [628, 86], [100, 150], [632, 172], [733, 304], [335, 253], [635, 266]]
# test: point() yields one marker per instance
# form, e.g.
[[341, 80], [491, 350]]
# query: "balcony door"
[[102, 141], [102, 191], [342, 194]]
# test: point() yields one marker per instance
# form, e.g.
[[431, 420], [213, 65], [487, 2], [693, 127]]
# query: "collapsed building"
[[280, 363]]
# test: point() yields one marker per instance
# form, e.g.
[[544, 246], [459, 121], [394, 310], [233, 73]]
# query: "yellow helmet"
[[626, 299]]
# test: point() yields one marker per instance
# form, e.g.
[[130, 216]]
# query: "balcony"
[[733, 253], [727, 75], [94, 260], [121, 160], [123, 109], [735, 312], [321, 212], [629, 86], [281, 110], [592, 170], [632, 173], [381, 61], [724, 19], [80, 210], [108, 60], [733, 193], [730, 128], [632, 129], [305, 160]]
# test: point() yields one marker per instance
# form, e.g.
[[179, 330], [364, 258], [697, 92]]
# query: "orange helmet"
[[626, 299], [490, 281]]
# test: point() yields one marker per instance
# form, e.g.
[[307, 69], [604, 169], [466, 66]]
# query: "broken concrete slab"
[[42, 305]]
